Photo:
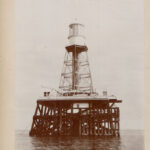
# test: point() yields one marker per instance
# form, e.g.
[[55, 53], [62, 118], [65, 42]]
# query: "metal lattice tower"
[[76, 76], [69, 113]]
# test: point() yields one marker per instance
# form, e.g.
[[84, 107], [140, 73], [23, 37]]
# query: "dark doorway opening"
[[75, 127]]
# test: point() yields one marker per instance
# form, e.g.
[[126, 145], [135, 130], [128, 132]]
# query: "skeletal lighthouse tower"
[[76, 76], [69, 113]]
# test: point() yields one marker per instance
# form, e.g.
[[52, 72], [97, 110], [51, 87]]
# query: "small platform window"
[[80, 105]]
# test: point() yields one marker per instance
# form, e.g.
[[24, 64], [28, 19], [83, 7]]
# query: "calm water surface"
[[129, 140]]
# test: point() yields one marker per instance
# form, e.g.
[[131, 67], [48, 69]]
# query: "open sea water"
[[128, 140]]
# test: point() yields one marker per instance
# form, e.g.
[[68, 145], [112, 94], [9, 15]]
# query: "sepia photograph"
[[79, 68]]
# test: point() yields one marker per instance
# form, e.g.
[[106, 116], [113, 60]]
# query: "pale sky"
[[115, 39]]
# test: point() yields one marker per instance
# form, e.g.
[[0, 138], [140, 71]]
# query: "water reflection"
[[129, 140], [76, 143]]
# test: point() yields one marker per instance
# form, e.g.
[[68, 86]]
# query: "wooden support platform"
[[76, 117]]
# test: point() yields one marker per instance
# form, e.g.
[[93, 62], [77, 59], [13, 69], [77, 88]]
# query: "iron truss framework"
[[76, 76], [76, 117]]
